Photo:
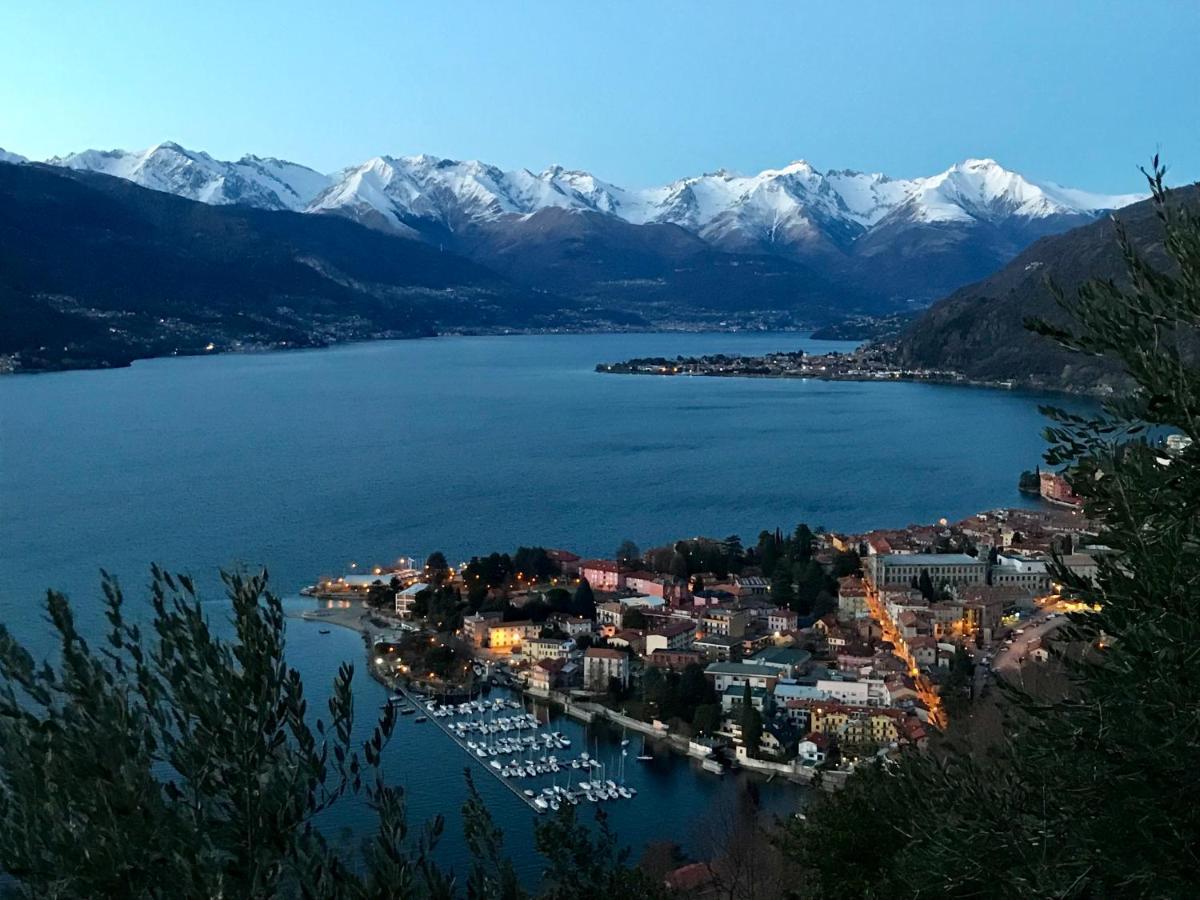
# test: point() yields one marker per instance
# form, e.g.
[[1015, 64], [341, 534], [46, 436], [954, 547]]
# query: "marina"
[[513, 747]]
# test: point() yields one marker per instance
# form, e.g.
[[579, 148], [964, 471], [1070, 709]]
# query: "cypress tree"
[[583, 603]]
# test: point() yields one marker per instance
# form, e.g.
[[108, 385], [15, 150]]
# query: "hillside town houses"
[[861, 674]]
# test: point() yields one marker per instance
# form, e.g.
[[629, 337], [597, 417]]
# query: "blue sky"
[[639, 93]]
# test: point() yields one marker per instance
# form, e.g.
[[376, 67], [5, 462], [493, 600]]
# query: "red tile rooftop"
[[690, 877], [604, 653]]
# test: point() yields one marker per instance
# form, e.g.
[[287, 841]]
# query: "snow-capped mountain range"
[[403, 188], [886, 235]]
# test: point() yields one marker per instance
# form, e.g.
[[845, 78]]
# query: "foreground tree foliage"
[[180, 763], [1096, 794], [586, 866]]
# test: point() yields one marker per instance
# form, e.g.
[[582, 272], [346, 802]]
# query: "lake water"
[[306, 461]]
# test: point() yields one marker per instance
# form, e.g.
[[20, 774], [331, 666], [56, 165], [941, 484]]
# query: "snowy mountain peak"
[[170, 167], [14, 158], [982, 189], [795, 167], [172, 147]]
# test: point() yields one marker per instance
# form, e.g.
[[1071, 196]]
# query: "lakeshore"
[[245, 443], [868, 363], [352, 616]]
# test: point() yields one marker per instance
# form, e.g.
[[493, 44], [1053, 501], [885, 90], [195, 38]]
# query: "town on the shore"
[[801, 654], [870, 362]]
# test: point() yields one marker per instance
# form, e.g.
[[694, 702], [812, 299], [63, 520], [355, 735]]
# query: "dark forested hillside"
[[96, 271], [979, 330], [659, 270]]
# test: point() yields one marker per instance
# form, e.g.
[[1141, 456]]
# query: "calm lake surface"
[[306, 461]]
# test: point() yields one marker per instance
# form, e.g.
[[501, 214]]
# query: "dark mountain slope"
[[610, 262], [978, 330], [904, 258], [95, 270]]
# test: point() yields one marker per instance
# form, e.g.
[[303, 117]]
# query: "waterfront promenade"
[[589, 712]]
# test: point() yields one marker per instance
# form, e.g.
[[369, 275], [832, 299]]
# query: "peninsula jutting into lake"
[[869, 363], [802, 656]]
